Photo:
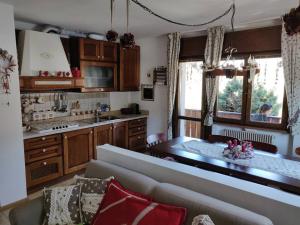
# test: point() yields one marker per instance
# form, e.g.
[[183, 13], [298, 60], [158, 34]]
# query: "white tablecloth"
[[262, 161]]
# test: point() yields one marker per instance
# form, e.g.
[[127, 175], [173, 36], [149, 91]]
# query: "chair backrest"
[[297, 151], [219, 138], [264, 147], [155, 139]]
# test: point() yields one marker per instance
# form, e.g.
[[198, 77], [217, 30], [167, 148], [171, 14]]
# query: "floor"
[[4, 219]]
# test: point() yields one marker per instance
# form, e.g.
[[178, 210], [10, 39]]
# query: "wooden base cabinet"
[[103, 135], [120, 134], [43, 171], [137, 134], [78, 149]]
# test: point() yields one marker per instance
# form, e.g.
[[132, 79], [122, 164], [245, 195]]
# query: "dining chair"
[[155, 139], [264, 147], [297, 151]]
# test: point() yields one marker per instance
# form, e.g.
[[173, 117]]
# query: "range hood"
[[40, 51]]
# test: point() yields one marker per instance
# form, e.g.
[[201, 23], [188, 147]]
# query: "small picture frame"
[[147, 92]]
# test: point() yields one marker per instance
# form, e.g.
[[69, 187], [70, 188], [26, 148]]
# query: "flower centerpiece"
[[238, 151]]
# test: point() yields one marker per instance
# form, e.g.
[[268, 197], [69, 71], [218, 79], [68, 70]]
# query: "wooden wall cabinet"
[[129, 69], [97, 50], [120, 134], [103, 135], [78, 149]]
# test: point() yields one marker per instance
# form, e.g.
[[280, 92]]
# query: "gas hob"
[[54, 126]]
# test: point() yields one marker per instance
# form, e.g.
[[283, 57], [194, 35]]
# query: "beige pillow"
[[62, 205], [202, 220]]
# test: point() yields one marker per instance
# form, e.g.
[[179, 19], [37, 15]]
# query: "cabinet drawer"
[[137, 123], [43, 171], [136, 130], [42, 153], [42, 142], [137, 141]]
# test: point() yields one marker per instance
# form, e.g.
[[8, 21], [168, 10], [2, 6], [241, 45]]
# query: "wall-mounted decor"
[[7, 65], [147, 92], [160, 75]]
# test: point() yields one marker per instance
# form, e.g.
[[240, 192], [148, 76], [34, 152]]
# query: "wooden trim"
[[34, 83]]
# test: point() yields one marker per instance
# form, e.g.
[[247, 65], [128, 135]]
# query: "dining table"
[[274, 170]]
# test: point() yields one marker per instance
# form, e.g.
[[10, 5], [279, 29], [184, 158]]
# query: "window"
[[257, 103], [190, 98], [268, 92], [230, 94]]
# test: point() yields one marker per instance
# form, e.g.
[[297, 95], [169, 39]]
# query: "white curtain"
[[172, 70], [212, 55], [290, 47]]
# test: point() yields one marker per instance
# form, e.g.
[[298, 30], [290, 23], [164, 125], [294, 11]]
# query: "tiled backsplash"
[[87, 101]]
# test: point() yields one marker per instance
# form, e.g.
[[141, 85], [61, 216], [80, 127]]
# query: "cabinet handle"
[[102, 57], [139, 137], [91, 132], [44, 150], [44, 163], [139, 128], [98, 56], [43, 138], [66, 137], [110, 128]]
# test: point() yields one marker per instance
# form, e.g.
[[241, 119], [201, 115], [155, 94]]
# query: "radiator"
[[248, 135]]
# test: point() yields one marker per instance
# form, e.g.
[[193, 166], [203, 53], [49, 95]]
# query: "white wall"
[[12, 168], [153, 54]]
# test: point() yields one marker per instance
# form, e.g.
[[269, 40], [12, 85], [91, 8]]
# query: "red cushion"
[[121, 206]]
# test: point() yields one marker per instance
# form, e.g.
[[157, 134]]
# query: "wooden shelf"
[[36, 83], [229, 72]]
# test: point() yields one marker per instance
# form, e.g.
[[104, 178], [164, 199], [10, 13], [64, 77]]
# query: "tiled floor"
[[4, 220]]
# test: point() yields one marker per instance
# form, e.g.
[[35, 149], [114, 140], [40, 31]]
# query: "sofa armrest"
[[30, 213]]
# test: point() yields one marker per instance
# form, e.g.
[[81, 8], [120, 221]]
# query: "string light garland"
[[145, 8]]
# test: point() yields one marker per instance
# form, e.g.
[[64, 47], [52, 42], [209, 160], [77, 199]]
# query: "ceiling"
[[94, 15]]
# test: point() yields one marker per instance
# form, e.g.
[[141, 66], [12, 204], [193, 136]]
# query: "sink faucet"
[[98, 113]]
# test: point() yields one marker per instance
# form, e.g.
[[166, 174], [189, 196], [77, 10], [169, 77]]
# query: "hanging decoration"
[[292, 21], [7, 65], [228, 68], [127, 40], [111, 35]]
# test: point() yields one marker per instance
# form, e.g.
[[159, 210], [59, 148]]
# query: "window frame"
[[246, 103]]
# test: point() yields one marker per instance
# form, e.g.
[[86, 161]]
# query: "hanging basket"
[[111, 35], [127, 40]]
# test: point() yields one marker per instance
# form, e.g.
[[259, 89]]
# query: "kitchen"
[[67, 112]]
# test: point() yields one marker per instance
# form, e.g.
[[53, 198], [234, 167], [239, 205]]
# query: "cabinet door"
[[120, 134], [43, 171], [89, 49], [78, 149], [103, 135], [130, 69], [108, 51]]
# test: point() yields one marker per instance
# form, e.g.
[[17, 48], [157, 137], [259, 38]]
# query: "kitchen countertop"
[[83, 125]]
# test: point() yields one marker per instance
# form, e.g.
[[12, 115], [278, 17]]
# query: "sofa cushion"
[[62, 205], [92, 192], [122, 206], [196, 203], [129, 179]]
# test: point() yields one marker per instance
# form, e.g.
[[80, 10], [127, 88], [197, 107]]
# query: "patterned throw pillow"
[[92, 192], [62, 205], [202, 220]]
